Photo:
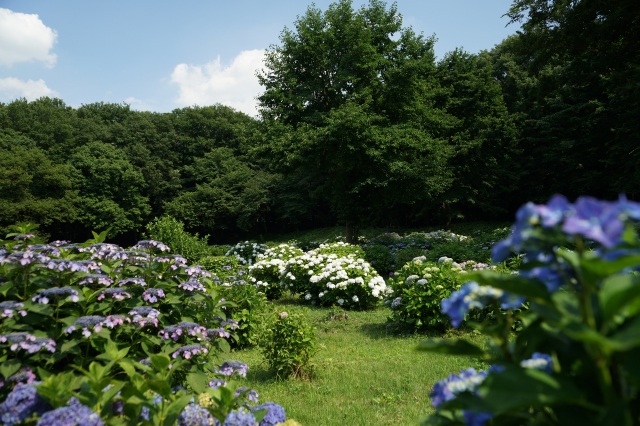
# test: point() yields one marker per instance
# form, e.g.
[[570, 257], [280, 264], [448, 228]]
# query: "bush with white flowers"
[[265, 273], [324, 278]]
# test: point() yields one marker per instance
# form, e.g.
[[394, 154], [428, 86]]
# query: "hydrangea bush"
[[420, 286], [326, 278], [576, 305], [97, 334], [246, 252], [265, 273], [288, 343]]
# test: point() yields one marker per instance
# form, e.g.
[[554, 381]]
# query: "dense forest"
[[360, 125]]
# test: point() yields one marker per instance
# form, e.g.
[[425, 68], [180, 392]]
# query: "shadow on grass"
[[391, 330]]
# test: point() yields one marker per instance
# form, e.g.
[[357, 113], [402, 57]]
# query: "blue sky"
[[158, 55]]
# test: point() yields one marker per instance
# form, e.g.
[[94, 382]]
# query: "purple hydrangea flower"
[[189, 328], [87, 324], [250, 394], [115, 293], [218, 332], [191, 286], [472, 418], [144, 315], [21, 403], [72, 414], [228, 368], [134, 281], [96, 279], [44, 296], [195, 415], [197, 271], [152, 295], [189, 351], [275, 414], [10, 308], [151, 245], [216, 383]]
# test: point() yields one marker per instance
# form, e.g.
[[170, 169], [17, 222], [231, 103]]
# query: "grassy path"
[[365, 375]]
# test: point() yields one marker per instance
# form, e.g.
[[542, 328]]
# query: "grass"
[[365, 373]]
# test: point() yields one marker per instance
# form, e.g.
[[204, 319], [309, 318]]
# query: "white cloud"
[[235, 85], [137, 104], [23, 38], [11, 88]]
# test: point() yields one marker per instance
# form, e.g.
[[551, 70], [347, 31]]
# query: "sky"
[[159, 55]]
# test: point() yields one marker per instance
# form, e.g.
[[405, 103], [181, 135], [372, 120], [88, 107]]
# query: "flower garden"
[[94, 334]]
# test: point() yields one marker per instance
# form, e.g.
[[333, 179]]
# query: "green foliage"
[[288, 343], [247, 303], [171, 231]]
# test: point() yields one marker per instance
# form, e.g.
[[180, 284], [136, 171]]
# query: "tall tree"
[[338, 92]]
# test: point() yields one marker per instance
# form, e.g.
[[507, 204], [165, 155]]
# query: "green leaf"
[[520, 388], [617, 293], [198, 382], [450, 347], [10, 367], [160, 362], [512, 284], [628, 337]]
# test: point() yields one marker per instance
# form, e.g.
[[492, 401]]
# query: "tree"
[[347, 104], [110, 189], [482, 134], [32, 187], [582, 129]]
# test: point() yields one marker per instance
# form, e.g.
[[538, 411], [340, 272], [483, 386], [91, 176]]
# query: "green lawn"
[[365, 373]]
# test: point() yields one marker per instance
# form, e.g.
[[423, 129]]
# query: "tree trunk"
[[351, 233]]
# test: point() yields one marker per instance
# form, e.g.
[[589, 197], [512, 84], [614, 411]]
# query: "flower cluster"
[[9, 308], [184, 328], [56, 293]]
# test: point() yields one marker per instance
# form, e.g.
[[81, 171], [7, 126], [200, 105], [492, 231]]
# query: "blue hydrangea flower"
[[195, 415], [472, 295], [22, 402], [447, 389], [240, 418], [476, 419], [275, 414], [72, 414], [539, 361]]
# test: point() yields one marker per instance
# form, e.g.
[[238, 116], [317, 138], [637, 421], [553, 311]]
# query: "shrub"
[[265, 273], [171, 232], [574, 358], [288, 343], [380, 257], [327, 279], [420, 287]]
